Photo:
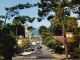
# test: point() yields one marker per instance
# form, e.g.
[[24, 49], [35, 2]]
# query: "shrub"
[[75, 54]]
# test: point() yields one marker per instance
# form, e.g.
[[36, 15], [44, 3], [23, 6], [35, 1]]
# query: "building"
[[27, 32], [61, 38], [69, 34]]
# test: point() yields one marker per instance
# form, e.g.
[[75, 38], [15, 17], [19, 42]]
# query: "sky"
[[32, 12]]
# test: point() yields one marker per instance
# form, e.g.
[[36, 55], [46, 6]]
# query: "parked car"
[[25, 53], [50, 50], [33, 51], [39, 47], [30, 50]]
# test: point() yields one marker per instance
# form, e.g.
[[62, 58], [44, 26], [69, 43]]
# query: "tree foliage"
[[7, 42], [10, 14], [71, 25], [30, 28], [59, 7], [62, 9], [22, 19], [24, 44], [12, 29], [20, 6], [14, 12], [75, 54], [7, 31], [74, 42], [47, 38], [56, 27], [42, 29]]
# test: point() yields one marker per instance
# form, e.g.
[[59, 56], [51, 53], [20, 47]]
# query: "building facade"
[[27, 32]]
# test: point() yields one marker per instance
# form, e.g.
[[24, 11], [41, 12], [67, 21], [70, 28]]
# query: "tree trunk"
[[7, 52], [65, 40], [5, 18], [79, 44]]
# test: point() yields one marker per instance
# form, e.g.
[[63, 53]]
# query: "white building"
[[27, 33], [69, 34]]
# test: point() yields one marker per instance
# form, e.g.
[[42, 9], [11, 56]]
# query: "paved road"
[[40, 54], [43, 53]]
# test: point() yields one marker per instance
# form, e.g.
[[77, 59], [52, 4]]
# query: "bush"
[[75, 54]]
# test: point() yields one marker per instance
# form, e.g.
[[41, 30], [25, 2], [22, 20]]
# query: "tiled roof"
[[61, 38], [68, 32]]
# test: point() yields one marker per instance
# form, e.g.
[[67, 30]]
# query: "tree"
[[71, 25], [22, 19], [53, 43], [7, 42], [32, 35], [24, 44], [75, 54], [47, 38], [74, 43], [62, 9], [12, 29], [1, 22], [56, 27], [11, 12], [42, 29], [50, 5], [30, 28], [44, 32], [75, 40]]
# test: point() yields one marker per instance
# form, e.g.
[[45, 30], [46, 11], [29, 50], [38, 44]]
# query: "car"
[[39, 47], [33, 51], [25, 53], [50, 50]]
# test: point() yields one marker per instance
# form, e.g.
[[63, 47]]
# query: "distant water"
[[35, 32]]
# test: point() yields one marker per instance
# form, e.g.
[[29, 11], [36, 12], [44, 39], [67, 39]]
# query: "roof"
[[68, 32], [61, 38]]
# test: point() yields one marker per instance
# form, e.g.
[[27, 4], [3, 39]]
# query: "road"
[[43, 53], [40, 54]]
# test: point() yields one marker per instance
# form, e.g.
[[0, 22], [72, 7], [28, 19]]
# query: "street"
[[41, 53]]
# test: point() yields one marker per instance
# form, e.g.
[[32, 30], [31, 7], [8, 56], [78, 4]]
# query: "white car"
[[50, 50], [25, 53]]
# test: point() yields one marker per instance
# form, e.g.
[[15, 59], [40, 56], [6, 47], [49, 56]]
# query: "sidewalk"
[[32, 57], [57, 56]]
